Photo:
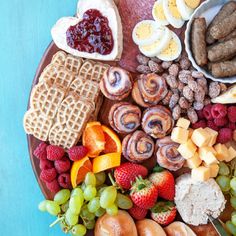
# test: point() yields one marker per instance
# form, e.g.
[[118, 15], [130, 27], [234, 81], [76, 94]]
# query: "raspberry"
[[54, 152], [225, 135], [221, 122], [77, 152], [218, 110], [211, 124], [207, 112], [48, 175], [64, 180], [200, 114], [62, 165], [45, 164], [199, 124], [232, 113], [138, 213], [53, 186], [40, 152], [231, 125]]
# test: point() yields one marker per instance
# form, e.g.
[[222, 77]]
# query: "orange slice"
[[113, 143], [93, 138], [79, 169], [106, 161]]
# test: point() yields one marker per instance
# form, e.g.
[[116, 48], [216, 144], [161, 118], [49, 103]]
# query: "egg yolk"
[[171, 48], [159, 12], [173, 9], [151, 47], [192, 3], [144, 31]]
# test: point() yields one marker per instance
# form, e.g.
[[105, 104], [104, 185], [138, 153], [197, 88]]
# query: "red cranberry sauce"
[[92, 34]]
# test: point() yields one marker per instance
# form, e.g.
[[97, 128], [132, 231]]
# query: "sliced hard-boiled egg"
[[184, 10], [146, 32], [192, 3], [173, 50], [158, 13], [172, 13], [157, 46]]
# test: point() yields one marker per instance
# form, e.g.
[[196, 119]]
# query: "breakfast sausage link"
[[221, 51], [225, 11], [224, 68], [198, 41], [229, 36], [224, 27]]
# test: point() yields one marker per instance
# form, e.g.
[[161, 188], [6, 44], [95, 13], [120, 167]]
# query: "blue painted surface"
[[24, 35]]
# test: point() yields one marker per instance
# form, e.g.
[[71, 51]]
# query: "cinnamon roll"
[[157, 121], [124, 117], [116, 83], [167, 155], [149, 90], [137, 147]]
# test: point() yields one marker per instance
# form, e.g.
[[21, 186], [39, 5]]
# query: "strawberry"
[[126, 173], [165, 183], [164, 212], [144, 193], [138, 213]]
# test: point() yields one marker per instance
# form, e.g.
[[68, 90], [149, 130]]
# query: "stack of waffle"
[[65, 99]]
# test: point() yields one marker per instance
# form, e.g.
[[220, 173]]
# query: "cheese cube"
[[234, 135], [200, 137], [221, 152], [187, 150], [204, 150], [194, 161], [210, 158], [231, 154], [201, 173], [213, 135], [179, 135], [183, 123], [190, 132], [214, 169]]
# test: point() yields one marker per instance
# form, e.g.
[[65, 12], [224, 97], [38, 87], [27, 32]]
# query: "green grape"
[[90, 192], [83, 186], [53, 208], [224, 169], [65, 206], [233, 213], [89, 224], [64, 227], [231, 227], [223, 182], [233, 219], [94, 204], [100, 178], [75, 204], [108, 196], [90, 179], [233, 202], [112, 210], [233, 183], [100, 189], [85, 214], [62, 196], [43, 205], [233, 192], [71, 218], [100, 212], [79, 230], [77, 191], [123, 201]]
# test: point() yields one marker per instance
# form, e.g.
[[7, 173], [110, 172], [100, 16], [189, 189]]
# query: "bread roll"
[[149, 227], [179, 228], [120, 225]]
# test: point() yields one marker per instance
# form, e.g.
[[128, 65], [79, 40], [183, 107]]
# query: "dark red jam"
[[92, 34]]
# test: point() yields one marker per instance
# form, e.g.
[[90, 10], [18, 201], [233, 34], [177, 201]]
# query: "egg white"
[[184, 10], [158, 20]]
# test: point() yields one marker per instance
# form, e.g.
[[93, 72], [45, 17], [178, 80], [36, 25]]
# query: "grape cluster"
[[77, 210], [227, 181]]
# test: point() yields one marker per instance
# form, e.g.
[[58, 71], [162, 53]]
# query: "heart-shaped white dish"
[[109, 10]]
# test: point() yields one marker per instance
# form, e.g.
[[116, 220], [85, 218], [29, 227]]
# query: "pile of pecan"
[[189, 90]]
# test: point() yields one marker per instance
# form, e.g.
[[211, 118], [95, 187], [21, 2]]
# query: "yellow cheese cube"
[[231, 154], [209, 158], [190, 132], [213, 135], [214, 169], [221, 152], [201, 173], [202, 151], [234, 135], [179, 135], [187, 150], [194, 161], [200, 137], [183, 123]]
